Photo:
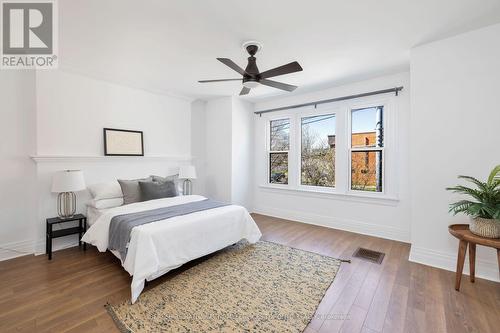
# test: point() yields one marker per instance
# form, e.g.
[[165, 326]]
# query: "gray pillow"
[[156, 190], [131, 190], [171, 178]]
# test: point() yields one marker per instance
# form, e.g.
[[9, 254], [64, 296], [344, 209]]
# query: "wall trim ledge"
[[315, 193], [99, 158]]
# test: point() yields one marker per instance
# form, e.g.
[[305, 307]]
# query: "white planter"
[[488, 228]]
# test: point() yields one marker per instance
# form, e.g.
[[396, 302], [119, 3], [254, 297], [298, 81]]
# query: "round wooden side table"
[[467, 238]]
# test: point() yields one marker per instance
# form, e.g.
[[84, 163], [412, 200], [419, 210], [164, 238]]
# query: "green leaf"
[[489, 210], [494, 176], [486, 196], [476, 194], [460, 206], [481, 185]]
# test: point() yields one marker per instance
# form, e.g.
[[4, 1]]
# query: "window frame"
[[343, 115], [360, 106], [269, 151], [313, 113]]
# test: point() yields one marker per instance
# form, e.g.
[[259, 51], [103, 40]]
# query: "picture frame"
[[122, 142]]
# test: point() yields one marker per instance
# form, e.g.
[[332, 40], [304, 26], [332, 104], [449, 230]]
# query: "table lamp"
[[187, 172], [66, 183]]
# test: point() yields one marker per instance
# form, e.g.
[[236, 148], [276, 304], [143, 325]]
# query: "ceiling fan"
[[252, 78]]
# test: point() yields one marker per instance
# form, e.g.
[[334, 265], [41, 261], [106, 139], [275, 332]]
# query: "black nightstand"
[[80, 230]]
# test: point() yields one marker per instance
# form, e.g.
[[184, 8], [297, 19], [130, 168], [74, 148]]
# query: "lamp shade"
[[187, 172], [68, 181]]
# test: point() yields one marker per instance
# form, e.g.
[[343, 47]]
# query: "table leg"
[[47, 239], [462, 249], [472, 261], [80, 233], [50, 242], [84, 231], [498, 257]]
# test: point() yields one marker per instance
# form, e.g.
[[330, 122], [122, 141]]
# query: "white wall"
[[454, 131], [223, 138], [218, 138], [199, 145], [383, 218], [18, 173], [72, 110], [242, 182]]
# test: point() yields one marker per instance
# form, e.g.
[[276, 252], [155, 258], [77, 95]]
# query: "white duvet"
[[158, 247]]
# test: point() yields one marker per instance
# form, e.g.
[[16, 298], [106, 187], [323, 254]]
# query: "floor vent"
[[369, 255]]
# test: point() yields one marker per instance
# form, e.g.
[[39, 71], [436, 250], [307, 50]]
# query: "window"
[[344, 148], [318, 151], [367, 149], [279, 145]]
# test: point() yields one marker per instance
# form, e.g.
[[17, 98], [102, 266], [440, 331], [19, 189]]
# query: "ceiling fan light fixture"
[[251, 84], [252, 77]]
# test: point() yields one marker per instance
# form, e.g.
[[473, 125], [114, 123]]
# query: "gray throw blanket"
[[121, 225]]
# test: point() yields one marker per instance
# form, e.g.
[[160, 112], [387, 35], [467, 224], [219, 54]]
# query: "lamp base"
[[187, 187], [66, 204]]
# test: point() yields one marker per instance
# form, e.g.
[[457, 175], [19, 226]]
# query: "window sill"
[[381, 199]]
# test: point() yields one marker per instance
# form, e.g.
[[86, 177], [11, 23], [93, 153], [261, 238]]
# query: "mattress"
[[93, 214]]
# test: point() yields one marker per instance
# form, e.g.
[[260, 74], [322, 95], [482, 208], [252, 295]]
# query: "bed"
[[158, 247]]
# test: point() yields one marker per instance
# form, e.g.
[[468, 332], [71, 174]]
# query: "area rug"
[[264, 287]]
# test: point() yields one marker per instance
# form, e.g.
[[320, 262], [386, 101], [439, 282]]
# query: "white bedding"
[[158, 247]]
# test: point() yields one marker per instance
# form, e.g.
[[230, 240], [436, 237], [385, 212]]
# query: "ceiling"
[[166, 46]]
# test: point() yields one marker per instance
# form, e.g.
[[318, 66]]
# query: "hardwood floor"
[[69, 292]]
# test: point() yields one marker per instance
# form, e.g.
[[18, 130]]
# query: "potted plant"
[[484, 208]]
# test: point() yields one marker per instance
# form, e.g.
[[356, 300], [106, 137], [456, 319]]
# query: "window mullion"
[[294, 152]]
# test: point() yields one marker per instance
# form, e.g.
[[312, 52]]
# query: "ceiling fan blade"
[[218, 80], [279, 85], [244, 91], [232, 65], [282, 70]]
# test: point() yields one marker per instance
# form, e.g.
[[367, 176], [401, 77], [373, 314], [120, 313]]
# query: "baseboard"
[[359, 227], [28, 247], [16, 249], [448, 261]]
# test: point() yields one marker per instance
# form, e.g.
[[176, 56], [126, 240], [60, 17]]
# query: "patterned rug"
[[264, 287]]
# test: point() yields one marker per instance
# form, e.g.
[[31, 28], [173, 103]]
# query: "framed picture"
[[120, 142]]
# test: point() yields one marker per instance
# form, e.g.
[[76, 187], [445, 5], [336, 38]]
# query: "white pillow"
[[107, 190], [105, 203]]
